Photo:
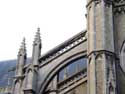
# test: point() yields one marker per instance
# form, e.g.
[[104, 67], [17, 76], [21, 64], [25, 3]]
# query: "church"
[[91, 62]]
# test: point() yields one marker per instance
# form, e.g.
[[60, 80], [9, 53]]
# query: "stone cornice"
[[99, 52], [64, 47]]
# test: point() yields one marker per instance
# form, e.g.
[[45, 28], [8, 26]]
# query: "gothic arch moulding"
[[57, 68], [122, 56]]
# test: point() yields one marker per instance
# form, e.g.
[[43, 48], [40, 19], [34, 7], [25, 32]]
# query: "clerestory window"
[[73, 68]]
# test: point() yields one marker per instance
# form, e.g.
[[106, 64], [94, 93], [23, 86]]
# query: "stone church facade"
[[91, 62]]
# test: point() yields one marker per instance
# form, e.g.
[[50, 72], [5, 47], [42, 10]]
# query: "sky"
[[58, 21]]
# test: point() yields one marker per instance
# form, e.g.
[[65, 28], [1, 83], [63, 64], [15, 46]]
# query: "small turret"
[[21, 59], [32, 76], [36, 48]]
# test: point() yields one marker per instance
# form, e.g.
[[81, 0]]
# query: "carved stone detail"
[[107, 59], [119, 1], [119, 10], [119, 7], [111, 77]]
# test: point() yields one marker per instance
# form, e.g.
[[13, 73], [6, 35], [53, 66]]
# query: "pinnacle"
[[38, 29], [23, 46], [37, 36]]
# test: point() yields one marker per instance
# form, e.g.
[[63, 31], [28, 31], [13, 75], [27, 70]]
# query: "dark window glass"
[[72, 68], [61, 75], [82, 64]]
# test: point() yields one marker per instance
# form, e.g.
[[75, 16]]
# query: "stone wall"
[[120, 80]]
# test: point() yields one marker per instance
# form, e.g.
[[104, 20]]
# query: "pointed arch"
[[30, 69], [57, 68]]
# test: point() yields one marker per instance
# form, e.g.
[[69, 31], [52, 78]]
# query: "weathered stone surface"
[[102, 45]]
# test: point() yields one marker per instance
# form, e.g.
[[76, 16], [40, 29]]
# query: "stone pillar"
[[119, 24], [32, 71], [36, 48], [101, 54], [18, 81]]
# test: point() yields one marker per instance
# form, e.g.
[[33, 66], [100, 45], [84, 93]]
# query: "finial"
[[38, 29], [37, 36], [24, 39], [23, 46]]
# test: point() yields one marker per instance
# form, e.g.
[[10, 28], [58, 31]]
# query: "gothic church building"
[[91, 62]]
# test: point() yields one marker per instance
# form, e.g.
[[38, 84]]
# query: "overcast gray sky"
[[58, 20]]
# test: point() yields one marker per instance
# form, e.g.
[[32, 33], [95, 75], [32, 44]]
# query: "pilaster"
[[101, 72], [101, 55]]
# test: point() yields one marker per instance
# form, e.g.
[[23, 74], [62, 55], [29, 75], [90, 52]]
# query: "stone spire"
[[21, 58], [21, 61], [37, 38], [22, 50], [36, 47], [31, 84]]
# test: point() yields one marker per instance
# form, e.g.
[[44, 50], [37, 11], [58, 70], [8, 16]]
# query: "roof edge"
[[63, 45]]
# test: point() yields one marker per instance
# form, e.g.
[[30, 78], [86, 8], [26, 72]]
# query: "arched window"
[[73, 68]]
